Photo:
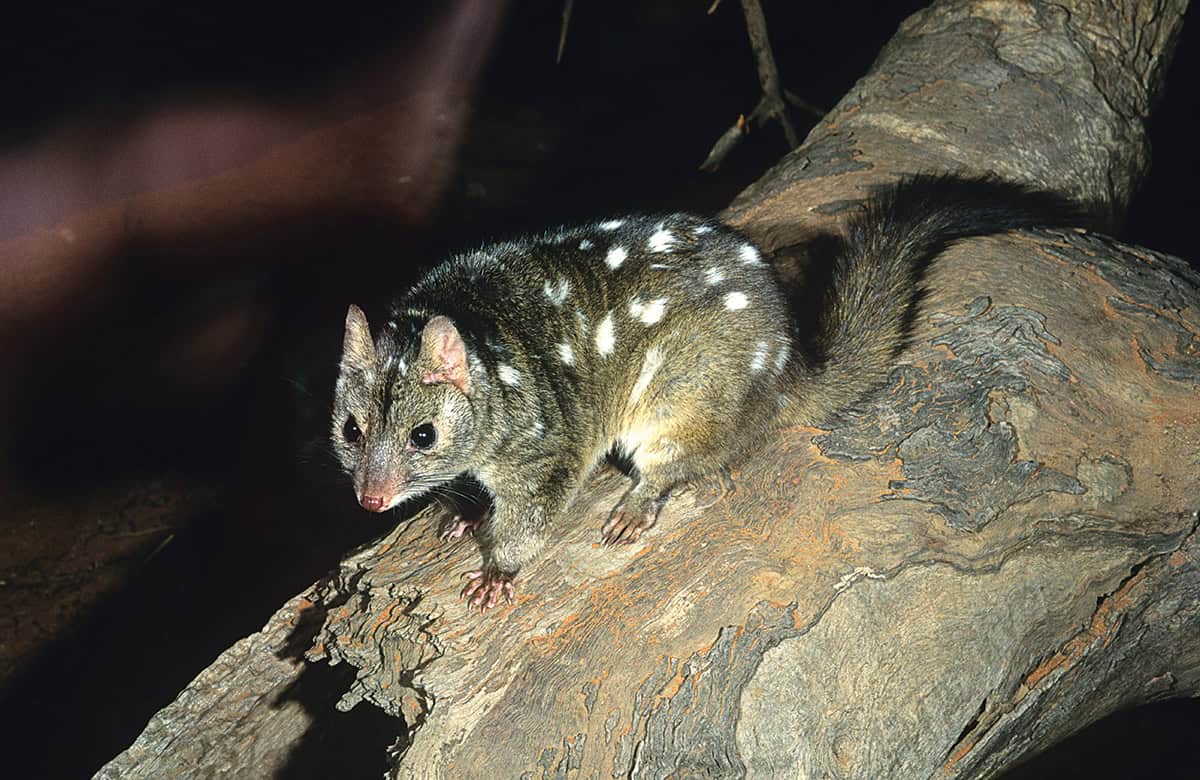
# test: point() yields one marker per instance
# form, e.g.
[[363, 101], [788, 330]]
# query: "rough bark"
[[996, 550]]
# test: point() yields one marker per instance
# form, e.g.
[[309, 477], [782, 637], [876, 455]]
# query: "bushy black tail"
[[869, 304]]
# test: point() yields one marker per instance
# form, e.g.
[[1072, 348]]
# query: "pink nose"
[[372, 503]]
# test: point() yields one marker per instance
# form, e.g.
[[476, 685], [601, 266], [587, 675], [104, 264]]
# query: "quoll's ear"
[[444, 355], [358, 351]]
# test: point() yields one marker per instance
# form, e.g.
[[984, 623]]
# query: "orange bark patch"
[[1102, 629], [958, 754], [1137, 355]]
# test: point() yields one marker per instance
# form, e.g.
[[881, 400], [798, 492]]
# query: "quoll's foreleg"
[[485, 588], [684, 430], [661, 464], [465, 522], [523, 515]]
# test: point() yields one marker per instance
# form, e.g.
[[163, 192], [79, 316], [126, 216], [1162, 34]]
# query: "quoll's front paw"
[[626, 523], [458, 525], [486, 587]]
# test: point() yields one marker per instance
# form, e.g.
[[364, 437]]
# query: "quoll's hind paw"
[[626, 527], [485, 589]]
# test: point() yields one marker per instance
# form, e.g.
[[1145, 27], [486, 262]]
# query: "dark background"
[[621, 124]]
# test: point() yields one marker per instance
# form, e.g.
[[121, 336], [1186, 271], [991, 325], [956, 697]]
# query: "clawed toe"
[[455, 529], [624, 528], [484, 589], [458, 526]]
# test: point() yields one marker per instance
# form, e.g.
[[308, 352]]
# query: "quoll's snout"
[[372, 503], [380, 484]]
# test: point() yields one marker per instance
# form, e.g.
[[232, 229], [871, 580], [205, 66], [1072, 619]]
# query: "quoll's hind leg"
[[661, 465], [682, 429], [699, 395], [637, 511]]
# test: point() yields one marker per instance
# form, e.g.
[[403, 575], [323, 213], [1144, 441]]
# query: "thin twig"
[[768, 74], [771, 105], [159, 548], [805, 106], [568, 6], [725, 144]]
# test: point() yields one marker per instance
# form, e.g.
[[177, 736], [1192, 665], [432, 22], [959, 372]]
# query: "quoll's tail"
[[875, 280]]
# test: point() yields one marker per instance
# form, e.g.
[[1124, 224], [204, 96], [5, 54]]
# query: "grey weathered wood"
[[996, 550]]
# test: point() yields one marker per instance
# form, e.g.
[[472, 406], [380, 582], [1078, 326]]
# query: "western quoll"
[[667, 338]]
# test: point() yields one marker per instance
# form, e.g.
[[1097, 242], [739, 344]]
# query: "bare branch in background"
[[771, 106], [568, 6]]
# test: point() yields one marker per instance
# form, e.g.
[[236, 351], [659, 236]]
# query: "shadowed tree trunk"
[[997, 549]]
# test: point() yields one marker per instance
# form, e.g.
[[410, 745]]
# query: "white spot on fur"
[[661, 267], [650, 365], [612, 224], [581, 318], [556, 293], [615, 257], [509, 375], [648, 313], [403, 367], [566, 354], [539, 429], [785, 350], [749, 255], [586, 244], [703, 229], [736, 300], [606, 337], [662, 240], [760, 357], [782, 400], [713, 276]]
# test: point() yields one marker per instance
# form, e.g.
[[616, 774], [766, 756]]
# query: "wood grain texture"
[[998, 548]]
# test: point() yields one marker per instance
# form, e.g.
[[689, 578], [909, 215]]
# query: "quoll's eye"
[[351, 431], [423, 436]]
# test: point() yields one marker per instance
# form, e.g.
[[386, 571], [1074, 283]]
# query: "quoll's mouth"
[[373, 503], [375, 500], [383, 492]]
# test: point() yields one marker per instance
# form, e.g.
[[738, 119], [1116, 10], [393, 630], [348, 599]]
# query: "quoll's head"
[[403, 421]]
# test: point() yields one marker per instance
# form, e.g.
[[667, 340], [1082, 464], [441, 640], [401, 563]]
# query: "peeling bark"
[[997, 549]]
